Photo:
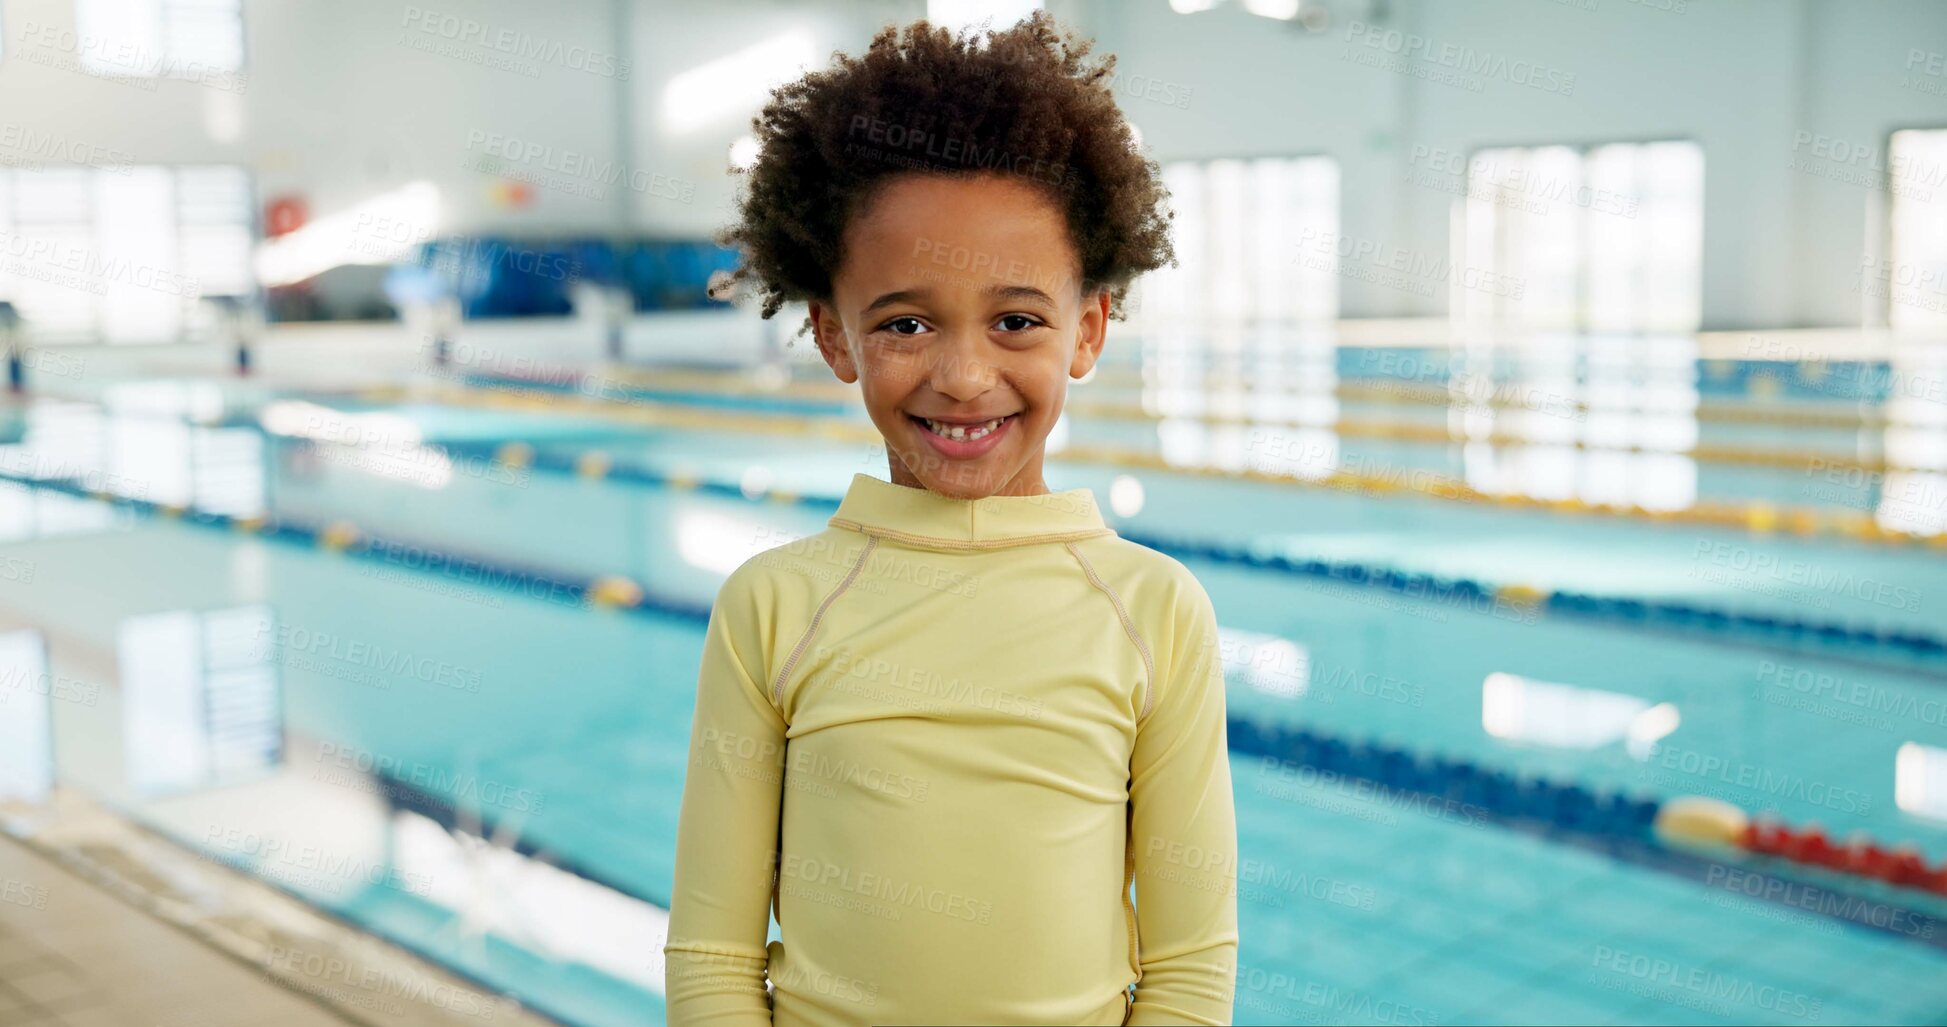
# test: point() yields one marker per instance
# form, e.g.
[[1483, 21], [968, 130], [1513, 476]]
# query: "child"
[[943, 738]]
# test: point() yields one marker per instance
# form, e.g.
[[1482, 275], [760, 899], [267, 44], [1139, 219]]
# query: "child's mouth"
[[962, 441]]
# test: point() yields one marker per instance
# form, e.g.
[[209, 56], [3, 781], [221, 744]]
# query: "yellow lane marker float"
[[593, 465], [1521, 595], [615, 593], [338, 536], [515, 455]]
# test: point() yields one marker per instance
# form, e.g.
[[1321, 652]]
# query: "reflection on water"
[[26, 724], [1562, 716], [200, 700]]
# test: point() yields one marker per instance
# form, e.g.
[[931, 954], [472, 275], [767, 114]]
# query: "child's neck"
[[1028, 482]]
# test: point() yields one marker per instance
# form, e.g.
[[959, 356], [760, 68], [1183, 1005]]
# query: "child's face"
[[960, 301]]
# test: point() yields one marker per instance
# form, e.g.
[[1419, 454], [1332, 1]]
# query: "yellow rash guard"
[[940, 740]]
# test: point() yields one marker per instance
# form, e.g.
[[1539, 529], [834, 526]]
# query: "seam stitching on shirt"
[[1128, 626], [777, 689], [951, 543], [1128, 905]]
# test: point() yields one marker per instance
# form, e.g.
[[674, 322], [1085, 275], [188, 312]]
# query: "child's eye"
[[1017, 323], [904, 326]]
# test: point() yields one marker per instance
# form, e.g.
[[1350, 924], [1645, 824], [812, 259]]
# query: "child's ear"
[[1094, 332], [829, 331]]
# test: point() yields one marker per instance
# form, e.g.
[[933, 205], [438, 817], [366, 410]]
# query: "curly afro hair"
[[1023, 101]]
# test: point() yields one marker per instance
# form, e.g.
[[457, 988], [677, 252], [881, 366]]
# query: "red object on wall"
[[285, 214]]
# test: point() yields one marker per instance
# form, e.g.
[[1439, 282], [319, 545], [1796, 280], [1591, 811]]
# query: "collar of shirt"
[[925, 518]]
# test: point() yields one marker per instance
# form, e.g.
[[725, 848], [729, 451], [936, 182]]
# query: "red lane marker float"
[[1696, 821]]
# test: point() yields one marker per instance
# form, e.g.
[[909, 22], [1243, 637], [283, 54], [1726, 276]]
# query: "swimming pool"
[[421, 634]]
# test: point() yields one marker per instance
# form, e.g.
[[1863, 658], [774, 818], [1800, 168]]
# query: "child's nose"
[[959, 369]]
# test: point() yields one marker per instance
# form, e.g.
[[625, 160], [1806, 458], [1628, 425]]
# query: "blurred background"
[[1552, 396]]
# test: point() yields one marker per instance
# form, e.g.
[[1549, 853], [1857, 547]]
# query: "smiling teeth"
[[962, 433]]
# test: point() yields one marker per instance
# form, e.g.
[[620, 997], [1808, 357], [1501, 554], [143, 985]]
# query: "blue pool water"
[[500, 706]]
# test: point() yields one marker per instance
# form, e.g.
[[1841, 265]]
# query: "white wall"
[[338, 105]]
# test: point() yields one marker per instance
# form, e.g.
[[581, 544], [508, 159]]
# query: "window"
[[1606, 239], [1912, 282], [192, 39], [1248, 237], [123, 254]]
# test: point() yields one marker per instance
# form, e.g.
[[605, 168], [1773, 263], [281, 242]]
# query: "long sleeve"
[[727, 833], [1183, 833]]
